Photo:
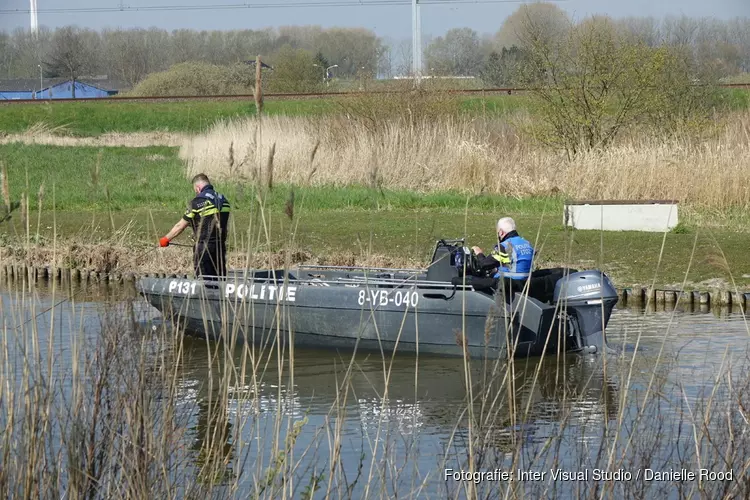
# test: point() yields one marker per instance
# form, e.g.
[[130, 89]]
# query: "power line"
[[241, 6]]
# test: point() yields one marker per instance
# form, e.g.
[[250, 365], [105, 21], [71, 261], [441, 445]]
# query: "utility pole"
[[419, 40], [34, 18], [416, 41]]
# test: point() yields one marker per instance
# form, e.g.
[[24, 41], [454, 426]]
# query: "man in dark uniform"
[[208, 215], [510, 261], [512, 257]]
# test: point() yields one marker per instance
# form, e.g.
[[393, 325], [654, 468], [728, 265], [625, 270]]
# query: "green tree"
[[502, 68], [594, 84], [194, 78], [350, 48], [320, 60], [458, 53], [552, 23], [293, 71]]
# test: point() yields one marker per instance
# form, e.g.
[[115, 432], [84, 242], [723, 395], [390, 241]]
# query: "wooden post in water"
[[686, 299], [704, 299], [696, 298], [637, 294]]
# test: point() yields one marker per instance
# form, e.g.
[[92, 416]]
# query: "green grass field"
[[87, 119], [148, 189], [154, 178]]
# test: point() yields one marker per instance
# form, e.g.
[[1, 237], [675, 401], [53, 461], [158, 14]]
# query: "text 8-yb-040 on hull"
[[445, 309]]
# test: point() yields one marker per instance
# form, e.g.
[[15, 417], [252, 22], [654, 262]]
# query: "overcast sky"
[[385, 20]]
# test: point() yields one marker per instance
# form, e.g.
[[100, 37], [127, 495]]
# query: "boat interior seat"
[[542, 282], [277, 275], [440, 268]]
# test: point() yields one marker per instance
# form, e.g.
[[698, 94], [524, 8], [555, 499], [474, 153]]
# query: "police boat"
[[448, 309]]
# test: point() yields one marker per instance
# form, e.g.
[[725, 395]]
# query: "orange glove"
[[164, 242]]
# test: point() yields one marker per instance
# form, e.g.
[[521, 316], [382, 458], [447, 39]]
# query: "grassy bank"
[[95, 118], [124, 198], [399, 237]]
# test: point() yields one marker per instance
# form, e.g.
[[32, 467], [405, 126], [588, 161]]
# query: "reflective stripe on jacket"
[[515, 255]]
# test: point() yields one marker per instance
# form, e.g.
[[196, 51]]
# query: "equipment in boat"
[[450, 308]]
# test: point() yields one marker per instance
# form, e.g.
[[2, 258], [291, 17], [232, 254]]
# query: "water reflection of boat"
[[571, 389]]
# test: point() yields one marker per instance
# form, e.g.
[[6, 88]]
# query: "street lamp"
[[325, 73]]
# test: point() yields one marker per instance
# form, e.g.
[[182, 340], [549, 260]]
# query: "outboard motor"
[[587, 298]]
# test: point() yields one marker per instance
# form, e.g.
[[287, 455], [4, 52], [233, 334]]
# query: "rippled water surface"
[[400, 439]]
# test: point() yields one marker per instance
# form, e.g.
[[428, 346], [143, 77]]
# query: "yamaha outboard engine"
[[587, 297]]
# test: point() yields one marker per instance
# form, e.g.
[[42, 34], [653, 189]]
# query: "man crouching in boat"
[[208, 215], [511, 258]]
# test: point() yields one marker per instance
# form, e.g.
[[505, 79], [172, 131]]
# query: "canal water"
[[670, 402]]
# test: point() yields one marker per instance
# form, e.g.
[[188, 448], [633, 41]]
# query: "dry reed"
[[104, 414], [478, 155]]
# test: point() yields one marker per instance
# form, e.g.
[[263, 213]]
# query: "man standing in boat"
[[512, 257], [208, 215]]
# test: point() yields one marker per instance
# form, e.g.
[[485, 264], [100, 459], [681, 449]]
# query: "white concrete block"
[[652, 216]]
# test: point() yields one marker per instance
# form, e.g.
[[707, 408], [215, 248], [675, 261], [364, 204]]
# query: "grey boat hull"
[[348, 311]]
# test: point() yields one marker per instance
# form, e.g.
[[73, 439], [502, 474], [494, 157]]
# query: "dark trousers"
[[210, 261]]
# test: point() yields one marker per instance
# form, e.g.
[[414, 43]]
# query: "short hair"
[[200, 178], [506, 224]]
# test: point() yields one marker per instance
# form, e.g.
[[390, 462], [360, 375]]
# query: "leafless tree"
[[551, 20], [128, 55], [69, 56], [459, 53]]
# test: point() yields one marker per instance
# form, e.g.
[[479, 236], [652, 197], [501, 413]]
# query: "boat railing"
[[363, 269], [400, 281], [392, 282]]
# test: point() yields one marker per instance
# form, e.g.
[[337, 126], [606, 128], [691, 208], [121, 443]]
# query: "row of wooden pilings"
[[642, 296], [19, 273], [628, 297]]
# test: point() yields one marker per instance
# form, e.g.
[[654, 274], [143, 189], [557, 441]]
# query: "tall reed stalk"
[[489, 156]]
